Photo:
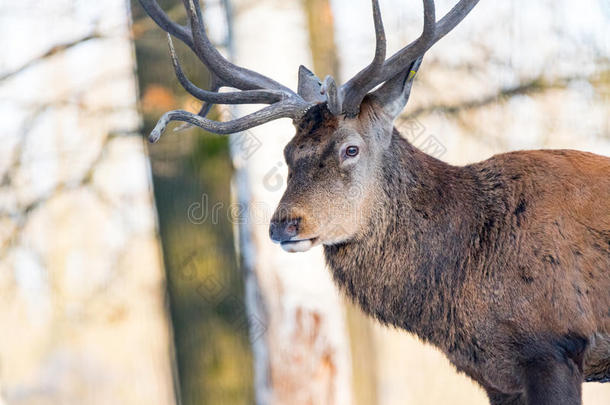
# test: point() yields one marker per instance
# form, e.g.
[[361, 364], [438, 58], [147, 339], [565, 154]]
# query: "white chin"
[[298, 246]]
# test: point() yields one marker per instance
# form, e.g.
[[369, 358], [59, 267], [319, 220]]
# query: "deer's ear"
[[393, 95]]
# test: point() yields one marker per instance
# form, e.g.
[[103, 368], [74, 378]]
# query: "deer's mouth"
[[301, 245]]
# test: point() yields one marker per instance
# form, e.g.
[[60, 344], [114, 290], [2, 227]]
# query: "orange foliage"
[[157, 98]]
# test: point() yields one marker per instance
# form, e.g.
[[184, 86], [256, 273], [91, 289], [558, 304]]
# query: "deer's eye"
[[352, 151]]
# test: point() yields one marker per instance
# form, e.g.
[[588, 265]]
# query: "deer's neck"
[[414, 253]]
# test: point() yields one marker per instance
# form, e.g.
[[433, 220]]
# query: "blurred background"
[[134, 273]]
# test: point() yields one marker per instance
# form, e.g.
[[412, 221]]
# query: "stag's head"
[[342, 133], [334, 171]]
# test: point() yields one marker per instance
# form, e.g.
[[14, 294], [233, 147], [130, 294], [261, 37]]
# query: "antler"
[[255, 88], [379, 71]]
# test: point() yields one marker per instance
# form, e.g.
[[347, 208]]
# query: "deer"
[[503, 265]]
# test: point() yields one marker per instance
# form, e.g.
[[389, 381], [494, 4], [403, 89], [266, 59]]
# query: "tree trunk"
[[297, 324]]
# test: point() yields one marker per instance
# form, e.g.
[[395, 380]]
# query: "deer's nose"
[[283, 230]]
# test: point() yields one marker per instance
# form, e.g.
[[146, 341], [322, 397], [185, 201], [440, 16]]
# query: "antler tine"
[[213, 97], [215, 86], [406, 55], [233, 75], [196, 39], [289, 108], [355, 90], [166, 24], [453, 17]]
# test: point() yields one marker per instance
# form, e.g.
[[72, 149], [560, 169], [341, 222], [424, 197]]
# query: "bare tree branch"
[[537, 85], [51, 52]]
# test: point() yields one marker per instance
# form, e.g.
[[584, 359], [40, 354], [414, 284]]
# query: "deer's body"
[[496, 263], [504, 265]]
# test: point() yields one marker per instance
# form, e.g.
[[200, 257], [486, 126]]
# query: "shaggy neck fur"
[[420, 245]]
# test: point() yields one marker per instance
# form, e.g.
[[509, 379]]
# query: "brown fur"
[[504, 265]]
